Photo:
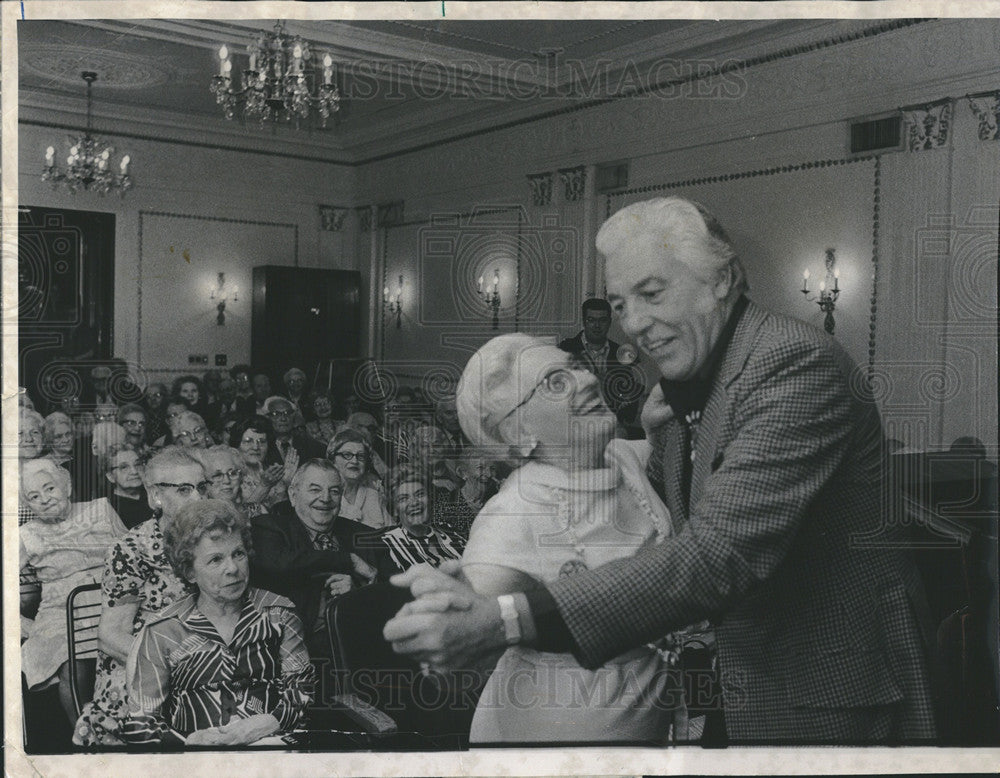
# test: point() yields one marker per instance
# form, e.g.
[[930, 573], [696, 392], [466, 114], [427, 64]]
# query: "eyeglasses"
[[555, 384], [228, 475], [134, 423], [197, 432], [128, 466], [186, 490], [350, 456], [280, 414]]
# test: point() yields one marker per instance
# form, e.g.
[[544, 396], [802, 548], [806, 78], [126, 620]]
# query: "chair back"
[[82, 616], [367, 666]]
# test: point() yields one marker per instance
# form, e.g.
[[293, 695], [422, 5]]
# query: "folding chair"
[[82, 616]]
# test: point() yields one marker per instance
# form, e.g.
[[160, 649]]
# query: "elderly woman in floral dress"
[[139, 582]]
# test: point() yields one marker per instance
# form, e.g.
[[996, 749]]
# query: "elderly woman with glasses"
[[139, 582], [189, 430], [64, 546], [263, 473], [361, 501], [123, 469], [224, 468], [578, 500], [226, 665]]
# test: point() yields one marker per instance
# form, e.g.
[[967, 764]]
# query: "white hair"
[[488, 388], [175, 423], [45, 465], [170, 457], [684, 225]]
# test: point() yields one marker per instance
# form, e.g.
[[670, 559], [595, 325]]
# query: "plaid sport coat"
[[785, 549]]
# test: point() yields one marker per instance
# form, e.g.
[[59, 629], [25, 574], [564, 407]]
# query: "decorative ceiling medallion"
[[62, 64]]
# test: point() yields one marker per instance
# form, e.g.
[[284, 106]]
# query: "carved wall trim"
[[986, 108], [928, 126]]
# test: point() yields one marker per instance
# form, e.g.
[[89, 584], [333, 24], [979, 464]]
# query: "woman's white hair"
[[682, 224], [45, 465], [175, 423], [487, 390], [170, 457]]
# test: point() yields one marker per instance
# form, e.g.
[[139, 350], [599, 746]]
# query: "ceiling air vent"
[[876, 134]]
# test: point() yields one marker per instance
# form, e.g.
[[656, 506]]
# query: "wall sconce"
[[491, 296], [222, 293], [829, 290], [394, 306]]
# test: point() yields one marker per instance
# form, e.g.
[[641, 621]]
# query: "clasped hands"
[[448, 626], [237, 732]]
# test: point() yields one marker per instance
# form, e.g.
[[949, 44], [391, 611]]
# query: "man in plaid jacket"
[[768, 452]]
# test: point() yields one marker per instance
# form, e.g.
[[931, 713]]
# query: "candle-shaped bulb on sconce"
[[223, 59], [836, 280], [479, 285], [385, 294], [805, 280], [496, 281], [253, 60], [50, 154], [822, 287], [124, 165], [327, 69]]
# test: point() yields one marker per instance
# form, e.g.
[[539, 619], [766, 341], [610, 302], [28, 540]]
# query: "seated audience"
[[58, 435], [295, 385], [132, 418], [189, 430], [305, 550], [155, 402], [430, 449], [138, 583], [189, 390], [228, 409], [292, 446], [226, 665], [475, 473], [323, 426], [362, 501], [64, 546], [261, 385], [30, 434], [123, 469], [446, 419], [89, 479], [224, 468], [173, 411], [243, 404], [263, 474], [416, 540], [366, 424]]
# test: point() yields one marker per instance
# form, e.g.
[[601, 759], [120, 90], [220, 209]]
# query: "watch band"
[[511, 623]]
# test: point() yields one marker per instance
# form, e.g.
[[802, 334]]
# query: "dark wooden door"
[[66, 270], [303, 317]]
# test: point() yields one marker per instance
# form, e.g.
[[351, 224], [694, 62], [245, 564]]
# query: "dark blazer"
[[286, 562], [814, 597], [622, 386]]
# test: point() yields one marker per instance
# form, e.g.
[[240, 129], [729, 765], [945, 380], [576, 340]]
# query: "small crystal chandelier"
[[276, 85], [88, 165]]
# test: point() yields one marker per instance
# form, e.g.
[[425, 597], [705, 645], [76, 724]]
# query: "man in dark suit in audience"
[[768, 450], [621, 379], [287, 440], [305, 551]]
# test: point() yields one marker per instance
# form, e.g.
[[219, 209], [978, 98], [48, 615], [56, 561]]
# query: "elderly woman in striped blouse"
[[226, 665]]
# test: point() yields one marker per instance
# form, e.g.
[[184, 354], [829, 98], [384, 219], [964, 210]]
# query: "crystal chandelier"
[[88, 165], [276, 85]]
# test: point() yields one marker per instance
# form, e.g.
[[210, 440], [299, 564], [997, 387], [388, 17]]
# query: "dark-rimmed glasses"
[[185, 490], [229, 475]]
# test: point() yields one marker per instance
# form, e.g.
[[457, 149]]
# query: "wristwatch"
[[511, 623]]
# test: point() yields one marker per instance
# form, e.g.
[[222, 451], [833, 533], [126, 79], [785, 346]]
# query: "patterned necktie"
[[325, 541]]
